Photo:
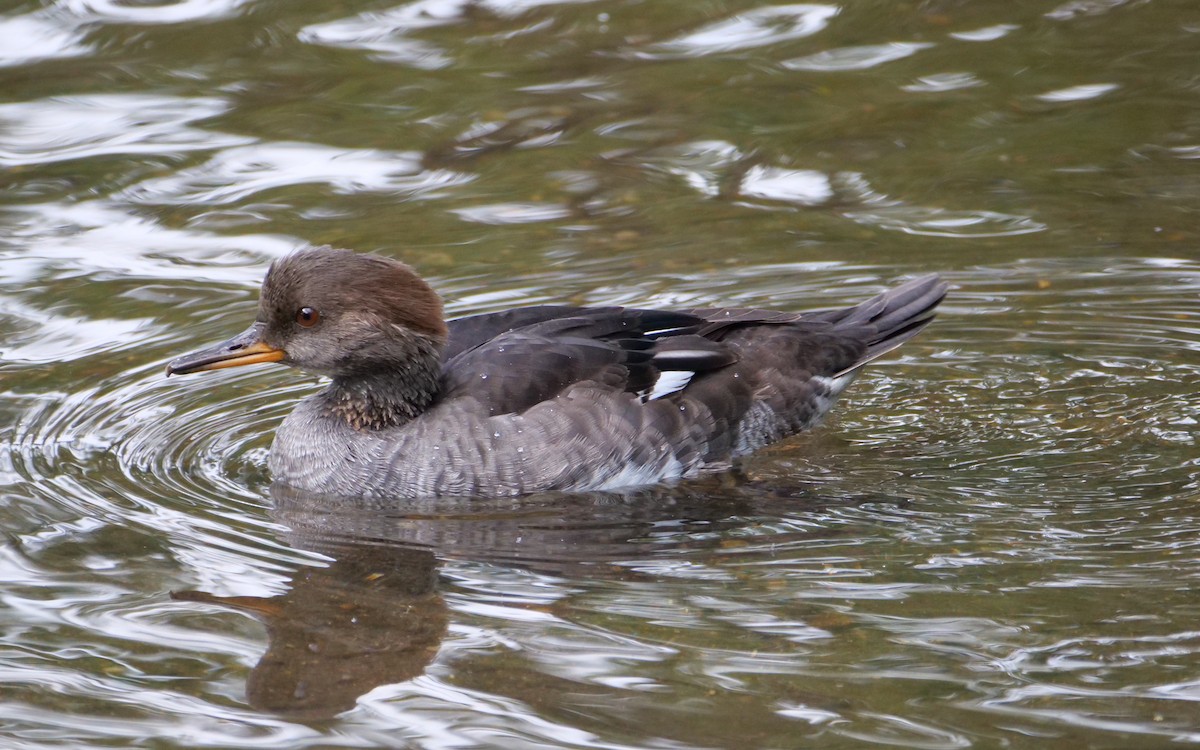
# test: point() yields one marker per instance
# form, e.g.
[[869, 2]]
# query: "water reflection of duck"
[[539, 398], [373, 616]]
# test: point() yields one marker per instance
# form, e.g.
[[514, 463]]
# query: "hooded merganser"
[[538, 398]]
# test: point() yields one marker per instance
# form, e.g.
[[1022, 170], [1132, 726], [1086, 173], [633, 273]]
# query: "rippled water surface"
[[994, 543]]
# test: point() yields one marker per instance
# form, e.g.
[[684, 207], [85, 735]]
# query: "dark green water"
[[994, 543]]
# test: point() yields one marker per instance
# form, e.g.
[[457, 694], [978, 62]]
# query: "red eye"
[[308, 317]]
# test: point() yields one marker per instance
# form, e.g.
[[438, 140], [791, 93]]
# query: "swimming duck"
[[540, 398]]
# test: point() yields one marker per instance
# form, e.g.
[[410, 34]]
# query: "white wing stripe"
[[670, 382]]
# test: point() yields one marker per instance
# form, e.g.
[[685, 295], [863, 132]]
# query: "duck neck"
[[385, 398]]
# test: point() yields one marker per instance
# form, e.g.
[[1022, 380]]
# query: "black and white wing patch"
[[678, 358], [650, 353]]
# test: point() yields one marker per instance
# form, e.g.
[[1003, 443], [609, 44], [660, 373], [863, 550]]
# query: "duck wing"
[[536, 353], [473, 330]]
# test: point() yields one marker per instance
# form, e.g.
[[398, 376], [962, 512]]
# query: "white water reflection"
[[1078, 93], [855, 58], [805, 187], [706, 166], [513, 213], [757, 27], [42, 337], [986, 34], [55, 240], [941, 222], [1083, 8], [93, 125], [884, 212], [1101, 680], [38, 36], [940, 82], [387, 33], [238, 173], [701, 164], [152, 13]]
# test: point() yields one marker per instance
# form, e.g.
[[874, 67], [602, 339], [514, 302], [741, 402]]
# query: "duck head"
[[369, 323]]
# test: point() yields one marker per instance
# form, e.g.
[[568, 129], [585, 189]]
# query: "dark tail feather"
[[883, 322], [891, 318]]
